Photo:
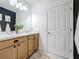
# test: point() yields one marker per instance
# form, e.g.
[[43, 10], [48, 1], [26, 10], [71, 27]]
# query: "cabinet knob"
[[33, 36], [15, 41], [14, 46]]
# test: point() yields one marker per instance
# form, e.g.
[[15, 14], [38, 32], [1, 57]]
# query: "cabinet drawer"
[[4, 44], [21, 39]]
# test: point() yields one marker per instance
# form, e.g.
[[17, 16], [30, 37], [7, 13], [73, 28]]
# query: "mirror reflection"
[[15, 16]]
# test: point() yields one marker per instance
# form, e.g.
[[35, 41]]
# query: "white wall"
[[39, 20]]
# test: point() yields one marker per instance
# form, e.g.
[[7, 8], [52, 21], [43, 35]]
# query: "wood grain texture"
[[22, 48], [19, 48], [30, 45]]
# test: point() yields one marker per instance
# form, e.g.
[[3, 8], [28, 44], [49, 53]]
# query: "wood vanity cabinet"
[[33, 43], [14, 49], [19, 48]]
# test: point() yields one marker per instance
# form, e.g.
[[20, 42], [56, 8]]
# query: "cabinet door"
[[36, 41], [8, 53], [22, 49], [30, 45]]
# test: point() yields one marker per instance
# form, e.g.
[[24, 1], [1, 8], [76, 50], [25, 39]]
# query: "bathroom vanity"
[[19, 47]]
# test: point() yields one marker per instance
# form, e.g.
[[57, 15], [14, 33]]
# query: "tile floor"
[[38, 55]]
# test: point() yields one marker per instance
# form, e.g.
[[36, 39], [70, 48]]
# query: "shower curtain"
[[77, 34]]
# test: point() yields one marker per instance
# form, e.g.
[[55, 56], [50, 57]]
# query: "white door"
[[59, 30]]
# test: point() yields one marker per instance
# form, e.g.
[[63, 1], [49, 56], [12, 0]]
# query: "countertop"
[[12, 36]]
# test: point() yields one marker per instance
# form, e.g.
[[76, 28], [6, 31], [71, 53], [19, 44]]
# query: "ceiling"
[[32, 2]]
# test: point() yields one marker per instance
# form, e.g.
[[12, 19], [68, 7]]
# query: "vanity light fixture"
[[18, 4]]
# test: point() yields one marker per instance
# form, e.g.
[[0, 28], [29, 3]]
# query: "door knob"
[[48, 32], [70, 50], [70, 29]]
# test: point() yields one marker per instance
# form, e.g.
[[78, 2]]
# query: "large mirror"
[[16, 13]]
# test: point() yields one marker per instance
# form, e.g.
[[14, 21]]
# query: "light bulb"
[[24, 7], [17, 6], [12, 2], [20, 6], [15, 2]]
